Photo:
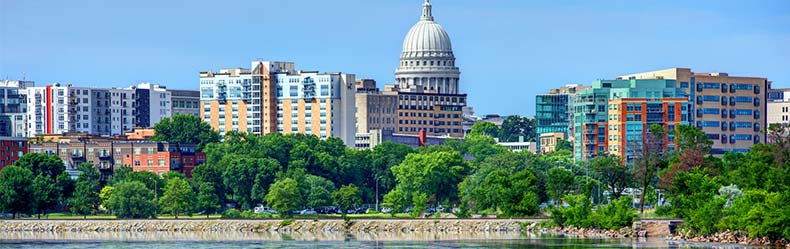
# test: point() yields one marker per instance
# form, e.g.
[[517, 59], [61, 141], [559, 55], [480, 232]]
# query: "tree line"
[[473, 175]]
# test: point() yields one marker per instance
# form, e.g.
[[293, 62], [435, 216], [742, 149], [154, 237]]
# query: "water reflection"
[[388, 239]]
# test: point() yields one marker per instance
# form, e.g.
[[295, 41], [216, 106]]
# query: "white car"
[[261, 209], [308, 211]]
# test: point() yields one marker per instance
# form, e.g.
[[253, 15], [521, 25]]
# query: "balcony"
[[589, 142]]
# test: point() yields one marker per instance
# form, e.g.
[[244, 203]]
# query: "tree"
[[85, 199], [15, 190], [611, 171], [45, 194], [150, 179], [694, 145], [436, 172], [131, 199], [485, 129], [42, 164], [347, 197], [563, 145], [207, 199], [396, 200], [64, 185], [560, 181], [243, 176], [515, 126], [648, 155], [284, 196], [185, 128], [320, 191], [120, 173], [178, 197], [420, 201], [211, 174], [105, 194]]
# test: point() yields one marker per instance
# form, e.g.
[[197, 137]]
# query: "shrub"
[[248, 214], [231, 214], [577, 214], [616, 215]]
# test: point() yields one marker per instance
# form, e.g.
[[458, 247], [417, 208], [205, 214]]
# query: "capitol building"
[[427, 62], [425, 99]]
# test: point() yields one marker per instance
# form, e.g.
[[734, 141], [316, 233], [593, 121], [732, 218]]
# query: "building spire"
[[426, 11]]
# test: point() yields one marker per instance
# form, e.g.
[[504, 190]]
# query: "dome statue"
[[427, 62]]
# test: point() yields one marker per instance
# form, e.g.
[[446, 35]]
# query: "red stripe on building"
[[49, 109]]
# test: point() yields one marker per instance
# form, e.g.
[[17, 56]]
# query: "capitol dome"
[[427, 62]]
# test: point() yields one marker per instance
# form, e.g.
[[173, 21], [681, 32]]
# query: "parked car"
[[308, 211], [386, 210], [260, 209]]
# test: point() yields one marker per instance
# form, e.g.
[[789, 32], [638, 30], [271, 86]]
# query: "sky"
[[507, 50]]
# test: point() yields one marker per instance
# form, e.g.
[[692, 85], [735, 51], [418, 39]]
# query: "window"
[[324, 90], [294, 91]]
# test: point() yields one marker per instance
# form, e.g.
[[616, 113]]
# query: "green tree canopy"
[[560, 181], [178, 197], [515, 126], [611, 171], [16, 190], [185, 128], [485, 129], [132, 199], [207, 200], [45, 194], [284, 196], [42, 164], [347, 197], [85, 199], [437, 173]]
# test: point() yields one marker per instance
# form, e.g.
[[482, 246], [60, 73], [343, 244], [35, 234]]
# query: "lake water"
[[201, 240]]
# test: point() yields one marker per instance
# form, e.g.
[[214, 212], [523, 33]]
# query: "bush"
[[231, 214], [577, 214], [616, 215], [704, 219], [248, 214], [664, 210]]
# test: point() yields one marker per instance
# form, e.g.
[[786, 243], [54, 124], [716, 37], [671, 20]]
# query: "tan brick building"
[[731, 110]]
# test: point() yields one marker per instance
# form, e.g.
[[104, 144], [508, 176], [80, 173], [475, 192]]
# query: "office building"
[[612, 116], [185, 102], [553, 111], [375, 111], [731, 110]]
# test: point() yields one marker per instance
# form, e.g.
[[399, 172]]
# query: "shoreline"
[[366, 229]]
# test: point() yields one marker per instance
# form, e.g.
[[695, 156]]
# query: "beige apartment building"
[[731, 110], [779, 107], [273, 97]]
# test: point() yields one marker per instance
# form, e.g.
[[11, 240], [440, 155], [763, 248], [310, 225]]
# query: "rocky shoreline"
[[273, 225], [730, 237], [642, 229]]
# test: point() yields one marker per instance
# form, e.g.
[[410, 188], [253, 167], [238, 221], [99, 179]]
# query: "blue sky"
[[508, 50]]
